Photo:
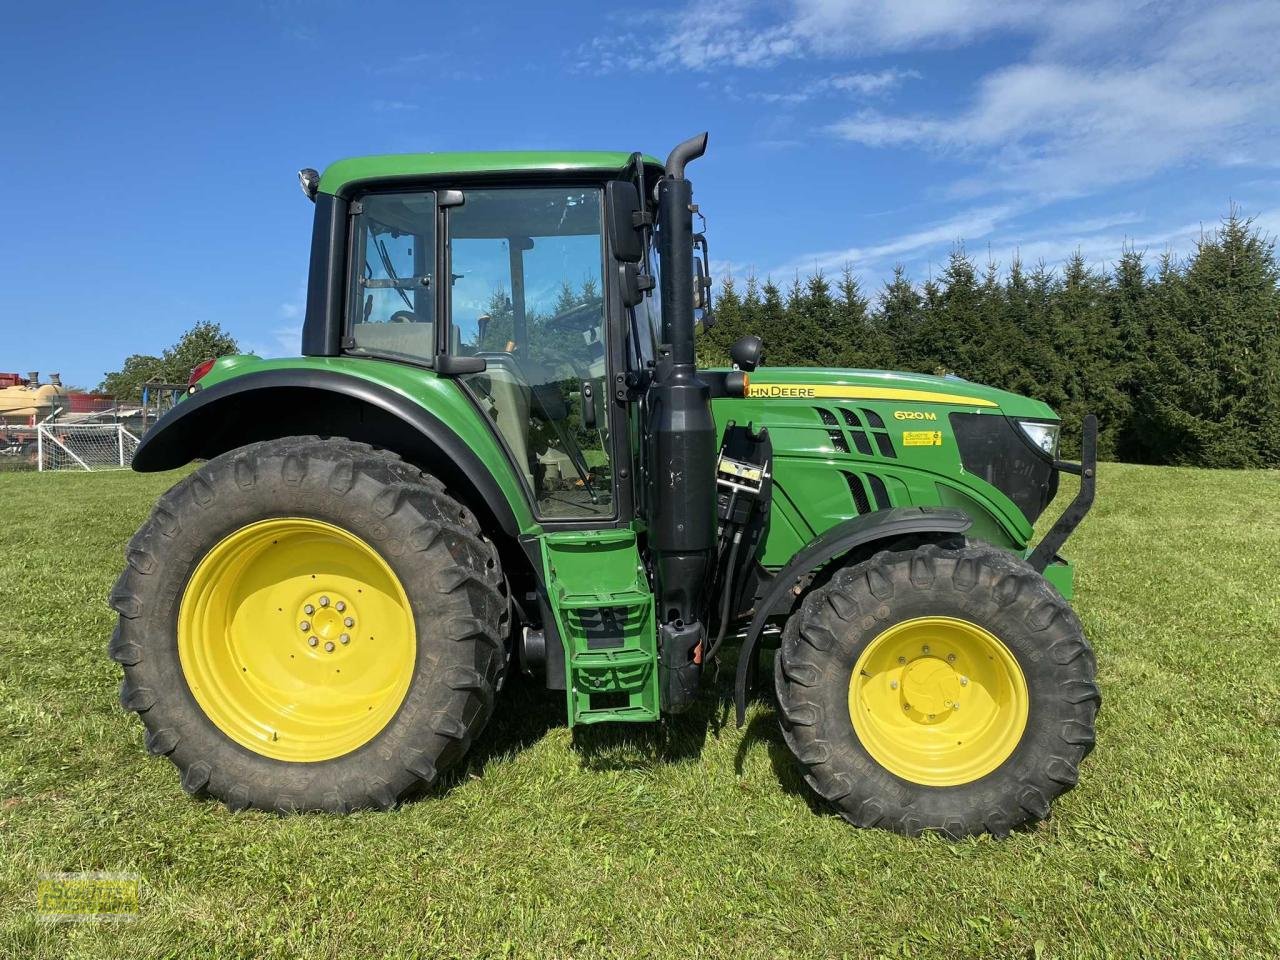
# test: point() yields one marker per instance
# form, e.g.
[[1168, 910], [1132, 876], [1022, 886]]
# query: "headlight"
[[1043, 436]]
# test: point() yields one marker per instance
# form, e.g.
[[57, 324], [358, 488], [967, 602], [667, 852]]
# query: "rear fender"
[[268, 404], [870, 530]]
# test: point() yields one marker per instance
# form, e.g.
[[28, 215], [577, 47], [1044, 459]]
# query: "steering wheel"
[[403, 316], [580, 318]]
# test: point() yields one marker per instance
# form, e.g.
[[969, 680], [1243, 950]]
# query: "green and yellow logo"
[[778, 390], [79, 897]]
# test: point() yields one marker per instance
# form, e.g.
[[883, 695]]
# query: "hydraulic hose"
[[726, 597]]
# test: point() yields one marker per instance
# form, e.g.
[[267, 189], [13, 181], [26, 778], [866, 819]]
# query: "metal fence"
[[84, 446]]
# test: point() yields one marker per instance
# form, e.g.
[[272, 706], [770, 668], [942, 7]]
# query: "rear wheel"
[[310, 624], [938, 689]]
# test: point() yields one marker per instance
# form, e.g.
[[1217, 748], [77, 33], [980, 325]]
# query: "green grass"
[[696, 840]]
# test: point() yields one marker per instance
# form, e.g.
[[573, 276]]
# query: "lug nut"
[[906, 706], [893, 684], [902, 659], [345, 638], [313, 641], [304, 626], [324, 601], [339, 606], [931, 716], [964, 681], [349, 622], [955, 706], [951, 658], [925, 648], [328, 647], [309, 609]]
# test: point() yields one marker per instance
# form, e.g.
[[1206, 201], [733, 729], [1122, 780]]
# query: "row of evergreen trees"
[[1179, 359]]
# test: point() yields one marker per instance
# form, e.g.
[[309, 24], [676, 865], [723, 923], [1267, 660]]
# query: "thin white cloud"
[[1055, 243], [869, 83], [840, 84], [393, 106], [973, 224]]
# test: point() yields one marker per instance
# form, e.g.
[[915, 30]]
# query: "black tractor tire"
[[823, 640], [449, 572]]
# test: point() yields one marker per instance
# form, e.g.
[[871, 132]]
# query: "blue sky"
[[150, 151]]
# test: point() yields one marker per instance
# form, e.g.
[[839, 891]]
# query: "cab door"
[[526, 294]]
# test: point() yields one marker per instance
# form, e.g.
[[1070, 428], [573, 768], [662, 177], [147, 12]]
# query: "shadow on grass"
[[526, 712]]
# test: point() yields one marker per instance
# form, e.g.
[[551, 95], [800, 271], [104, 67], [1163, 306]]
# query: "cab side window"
[[391, 310]]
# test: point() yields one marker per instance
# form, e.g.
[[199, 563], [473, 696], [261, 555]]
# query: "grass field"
[[696, 840]]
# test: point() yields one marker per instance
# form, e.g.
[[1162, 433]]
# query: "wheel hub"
[[938, 700], [930, 686], [329, 619]]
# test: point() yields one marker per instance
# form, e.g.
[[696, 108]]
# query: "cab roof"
[[343, 174]]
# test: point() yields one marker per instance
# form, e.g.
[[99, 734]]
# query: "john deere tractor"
[[497, 453]]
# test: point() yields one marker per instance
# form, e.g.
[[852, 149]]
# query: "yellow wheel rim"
[[938, 701], [296, 639]]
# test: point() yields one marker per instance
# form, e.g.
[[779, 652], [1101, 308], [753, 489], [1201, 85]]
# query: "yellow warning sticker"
[[922, 438]]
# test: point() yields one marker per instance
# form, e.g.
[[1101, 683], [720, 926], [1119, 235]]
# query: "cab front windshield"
[[526, 295]]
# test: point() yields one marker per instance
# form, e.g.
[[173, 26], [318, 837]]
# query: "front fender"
[[293, 400], [840, 540]]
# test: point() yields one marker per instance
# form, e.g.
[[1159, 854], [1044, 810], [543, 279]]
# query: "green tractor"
[[497, 453]]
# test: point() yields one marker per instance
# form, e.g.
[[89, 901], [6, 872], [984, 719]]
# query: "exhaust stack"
[[683, 453]]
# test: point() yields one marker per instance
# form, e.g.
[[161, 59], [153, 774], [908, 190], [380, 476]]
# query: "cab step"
[[604, 613]]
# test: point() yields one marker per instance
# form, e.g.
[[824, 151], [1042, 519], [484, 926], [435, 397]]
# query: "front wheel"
[[938, 689], [310, 624]]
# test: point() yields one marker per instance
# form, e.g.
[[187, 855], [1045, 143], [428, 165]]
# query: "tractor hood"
[[832, 383]]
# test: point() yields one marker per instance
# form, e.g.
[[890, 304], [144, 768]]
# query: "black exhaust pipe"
[[685, 153], [683, 436]]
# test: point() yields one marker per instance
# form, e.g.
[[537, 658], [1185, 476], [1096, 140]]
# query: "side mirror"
[[747, 352], [702, 281], [622, 204]]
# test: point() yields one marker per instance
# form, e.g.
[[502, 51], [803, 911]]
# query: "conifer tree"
[[956, 325], [899, 318], [862, 342], [772, 323], [1130, 309], [1094, 353], [1218, 398]]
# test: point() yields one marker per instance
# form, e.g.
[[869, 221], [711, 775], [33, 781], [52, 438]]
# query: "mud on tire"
[[823, 640], [449, 572]]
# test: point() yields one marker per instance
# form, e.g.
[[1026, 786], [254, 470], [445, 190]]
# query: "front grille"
[[859, 494], [857, 430], [878, 499], [993, 448], [878, 490]]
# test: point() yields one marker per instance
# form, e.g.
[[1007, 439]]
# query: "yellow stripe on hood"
[[803, 391]]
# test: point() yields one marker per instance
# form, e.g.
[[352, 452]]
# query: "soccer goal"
[[84, 446]]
